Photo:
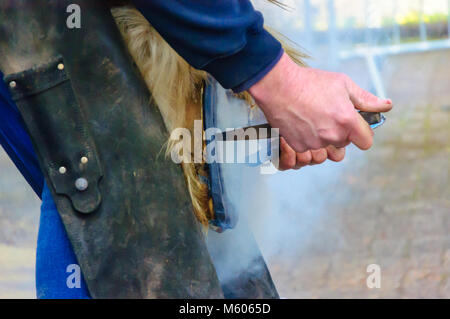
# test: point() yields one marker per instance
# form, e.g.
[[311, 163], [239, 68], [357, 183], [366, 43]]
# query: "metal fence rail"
[[371, 51]]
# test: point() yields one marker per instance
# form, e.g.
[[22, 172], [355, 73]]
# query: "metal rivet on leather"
[[63, 133], [84, 160], [81, 184]]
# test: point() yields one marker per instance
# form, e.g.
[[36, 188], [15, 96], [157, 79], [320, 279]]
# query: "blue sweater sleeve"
[[223, 37]]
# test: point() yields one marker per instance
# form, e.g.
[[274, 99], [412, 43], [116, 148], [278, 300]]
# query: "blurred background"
[[320, 227]]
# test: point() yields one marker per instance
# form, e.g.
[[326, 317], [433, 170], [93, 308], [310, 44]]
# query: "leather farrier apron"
[[124, 206]]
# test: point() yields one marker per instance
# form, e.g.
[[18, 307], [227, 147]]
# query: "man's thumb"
[[366, 101]]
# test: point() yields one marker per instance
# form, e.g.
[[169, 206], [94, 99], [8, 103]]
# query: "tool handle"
[[374, 119]]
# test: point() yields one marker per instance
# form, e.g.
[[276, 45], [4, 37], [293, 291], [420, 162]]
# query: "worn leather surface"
[[142, 241], [62, 133], [240, 266]]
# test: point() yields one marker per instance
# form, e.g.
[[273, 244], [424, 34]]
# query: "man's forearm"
[[223, 37]]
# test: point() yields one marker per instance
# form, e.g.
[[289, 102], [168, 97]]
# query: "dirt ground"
[[391, 207]]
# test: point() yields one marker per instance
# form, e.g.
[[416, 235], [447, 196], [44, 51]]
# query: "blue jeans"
[[58, 275]]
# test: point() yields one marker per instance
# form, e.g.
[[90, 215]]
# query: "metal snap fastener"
[[81, 184], [12, 84], [62, 170], [60, 66], [84, 160]]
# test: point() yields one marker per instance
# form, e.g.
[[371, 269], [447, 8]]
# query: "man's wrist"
[[275, 79]]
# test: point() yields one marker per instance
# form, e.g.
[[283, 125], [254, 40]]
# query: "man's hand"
[[315, 109]]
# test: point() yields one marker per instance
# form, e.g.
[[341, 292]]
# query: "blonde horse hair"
[[176, 89]]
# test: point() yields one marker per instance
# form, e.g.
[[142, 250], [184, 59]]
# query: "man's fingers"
[[335, 154], [361, 134], [287, 157], [366, 101], [303, 159], [319, 156]]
